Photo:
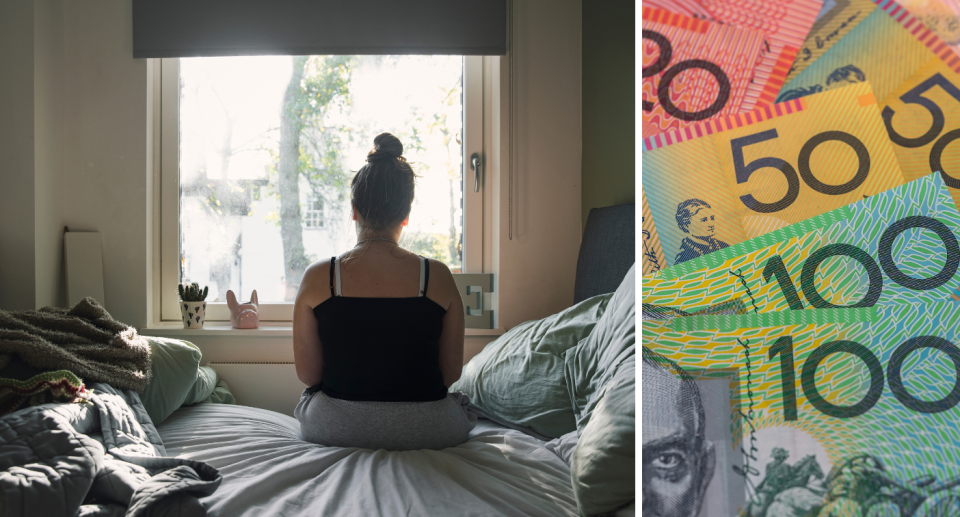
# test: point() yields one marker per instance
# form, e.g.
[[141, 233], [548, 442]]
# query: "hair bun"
[[385, 146]]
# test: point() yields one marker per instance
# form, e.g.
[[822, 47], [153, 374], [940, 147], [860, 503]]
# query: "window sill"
[[266, 330]]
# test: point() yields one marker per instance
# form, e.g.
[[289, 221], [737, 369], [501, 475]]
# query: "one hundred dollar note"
[[784, 23], [922, 116], [886, 48], [693, 70], [835, 19], [831, 412], [899, 246], [725, 181]]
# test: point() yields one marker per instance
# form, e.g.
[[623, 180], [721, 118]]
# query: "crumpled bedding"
[[102, 458], [268, 470]]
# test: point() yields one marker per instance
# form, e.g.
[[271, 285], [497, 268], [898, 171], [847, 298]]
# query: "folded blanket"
[[58, 386], [84, 340], [103, 457]]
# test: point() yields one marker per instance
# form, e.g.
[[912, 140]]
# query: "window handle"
[[475, 165]]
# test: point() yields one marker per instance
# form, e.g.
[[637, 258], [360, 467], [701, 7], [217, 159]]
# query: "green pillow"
[[203, 388], [594, 361], [603, 466], [221, 395], [174, 366], [520, 376]]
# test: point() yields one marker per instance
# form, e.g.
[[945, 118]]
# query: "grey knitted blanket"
[[84, 340]]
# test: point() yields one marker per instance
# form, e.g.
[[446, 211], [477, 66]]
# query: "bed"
[[268, 470]]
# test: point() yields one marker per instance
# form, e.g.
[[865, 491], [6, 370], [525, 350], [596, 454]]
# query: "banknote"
[[923, 118], [835, 19], [652, 260], [784, 23], [886, 48], [940, 16], [729, 180], [693, 69], [830, 412], [899, 246]]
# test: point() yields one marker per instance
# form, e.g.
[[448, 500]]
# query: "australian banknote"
[[835, 19], [840, 412], [885, 48], [784, 23], [940, 16], [652, 260], [693, 70], [899, 246], [922, 117], [725, 181]]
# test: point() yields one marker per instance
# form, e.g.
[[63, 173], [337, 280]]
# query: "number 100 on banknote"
[[727, 180]]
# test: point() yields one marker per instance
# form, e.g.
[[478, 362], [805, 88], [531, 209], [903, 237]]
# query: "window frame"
[[166, 145]]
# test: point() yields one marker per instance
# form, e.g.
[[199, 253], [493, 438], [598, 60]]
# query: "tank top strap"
[[337, 267], [424, 275], [333, 260]]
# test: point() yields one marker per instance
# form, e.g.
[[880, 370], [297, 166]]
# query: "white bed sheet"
[[268, 470]]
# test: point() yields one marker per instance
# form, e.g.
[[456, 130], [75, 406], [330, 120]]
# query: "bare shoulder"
[[442, 285], [314, 287]]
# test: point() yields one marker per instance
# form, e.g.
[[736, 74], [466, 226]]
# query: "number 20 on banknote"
[[725, 181]]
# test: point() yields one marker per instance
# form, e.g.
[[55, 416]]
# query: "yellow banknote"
[[739, 177], [652, 251], [886, 48], [836, 19], [923, 120]]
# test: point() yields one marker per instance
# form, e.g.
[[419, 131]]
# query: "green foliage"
[[192, 292], [430, 245]]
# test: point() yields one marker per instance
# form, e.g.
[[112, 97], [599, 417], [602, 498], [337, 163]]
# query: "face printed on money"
[[703, 223], [678, 462]]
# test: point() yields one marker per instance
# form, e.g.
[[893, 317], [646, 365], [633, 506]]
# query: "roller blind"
[[187, 28]]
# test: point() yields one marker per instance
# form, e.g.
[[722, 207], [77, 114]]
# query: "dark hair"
[[382, 190], [686, 210], [689, 393], [846, 73]]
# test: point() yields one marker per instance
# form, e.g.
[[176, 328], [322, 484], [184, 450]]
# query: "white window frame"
[[166, 257], [312, 215]]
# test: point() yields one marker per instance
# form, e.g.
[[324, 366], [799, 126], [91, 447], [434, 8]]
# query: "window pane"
[[268, 146]]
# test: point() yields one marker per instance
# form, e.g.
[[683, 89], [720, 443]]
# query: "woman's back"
[[382, 348], [378, 331]]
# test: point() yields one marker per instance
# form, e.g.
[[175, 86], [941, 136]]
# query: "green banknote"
[[899, 246], [828, 412], [886, 48]]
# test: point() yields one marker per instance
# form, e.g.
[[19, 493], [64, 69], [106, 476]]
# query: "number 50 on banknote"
[[727, 180]]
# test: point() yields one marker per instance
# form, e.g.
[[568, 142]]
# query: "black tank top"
[[382, 349]]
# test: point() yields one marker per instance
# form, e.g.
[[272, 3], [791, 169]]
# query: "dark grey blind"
[[185, 28]]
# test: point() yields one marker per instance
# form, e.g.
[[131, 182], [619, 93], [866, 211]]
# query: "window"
[[257, 154], [313, 216]]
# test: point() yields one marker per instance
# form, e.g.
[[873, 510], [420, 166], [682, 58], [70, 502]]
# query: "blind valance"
[[189, 28]]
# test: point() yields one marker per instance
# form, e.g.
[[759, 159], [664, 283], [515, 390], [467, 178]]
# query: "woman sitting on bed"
[[378, 331]]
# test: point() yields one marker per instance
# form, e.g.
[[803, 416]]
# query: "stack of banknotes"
[[801, 258]]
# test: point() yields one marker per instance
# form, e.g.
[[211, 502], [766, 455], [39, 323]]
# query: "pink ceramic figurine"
[[244, 315]]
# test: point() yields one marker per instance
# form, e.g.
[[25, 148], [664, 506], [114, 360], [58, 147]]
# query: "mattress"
[[268, 470]]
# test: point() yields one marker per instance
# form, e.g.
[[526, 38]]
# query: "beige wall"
[[105, 147], [17, 290], [609, 104], [536, 269]]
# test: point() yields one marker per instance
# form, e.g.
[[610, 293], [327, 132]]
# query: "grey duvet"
[[103, 458]]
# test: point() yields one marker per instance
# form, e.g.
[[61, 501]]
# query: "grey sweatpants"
[[394, 426]]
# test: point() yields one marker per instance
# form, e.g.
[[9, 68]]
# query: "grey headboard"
[[607, 250]]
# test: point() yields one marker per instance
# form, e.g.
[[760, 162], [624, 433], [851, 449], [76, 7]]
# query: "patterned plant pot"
[[193, 314]]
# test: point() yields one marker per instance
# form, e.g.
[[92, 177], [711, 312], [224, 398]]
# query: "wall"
[[536, 269], [17, 290], [609, 103], [31, 144], [105, 147]]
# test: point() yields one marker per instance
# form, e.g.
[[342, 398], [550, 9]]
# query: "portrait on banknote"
[[697, 219]]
